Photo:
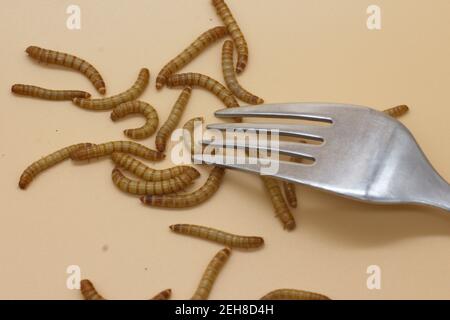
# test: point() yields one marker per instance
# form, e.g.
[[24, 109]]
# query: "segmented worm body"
[[108, 103], [236, 34], [194, 49], [293, 294], [88, 291], [137, 107], [69, 61], [163, 295], [201, 80], [190, 199], [148, 174], [210, 274], [290, 193], [230, 76], [397, 111], [153, 187], [281, 209], [173, 120], [225, 238], [107, 148], [48, 161], [188, 133], [48, 94]]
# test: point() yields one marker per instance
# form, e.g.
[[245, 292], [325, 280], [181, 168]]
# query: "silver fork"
[[365, 154]]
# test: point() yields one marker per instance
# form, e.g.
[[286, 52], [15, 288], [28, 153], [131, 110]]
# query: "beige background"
[[299, 51]]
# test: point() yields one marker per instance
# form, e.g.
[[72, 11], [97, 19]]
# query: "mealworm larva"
[[163, 295], [236, 34], [281, 209], [153, 187], [188, 54], [188, 133], [148, 174], [230, 76], [108, 103], [290, 193], [201, 80], [172, 121], [225, 238], [88, 291], [190, 199], [137, 107], [293, 294], [69, 61], [210, 274], [397, 111], [107, 148], [48, 94], [46, 162]]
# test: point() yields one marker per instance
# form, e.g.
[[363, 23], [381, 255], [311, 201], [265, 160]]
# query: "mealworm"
[[163, 295], [108, 103], [188, 133], [188, 54], [88, 291], [46, 162], [153, 187], [230, 76], [148, 174], [190, 199], [279, 204], [210, 274], [48, 94], [293, 294], [69, 61], [397, 111], [225, 238], [137, 107], [172, 121], [290, 193], [107, 148], [201, 80], [236, 34]]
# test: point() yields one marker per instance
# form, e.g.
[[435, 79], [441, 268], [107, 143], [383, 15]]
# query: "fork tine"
[[308, 111], [293, 149], [304, 131]]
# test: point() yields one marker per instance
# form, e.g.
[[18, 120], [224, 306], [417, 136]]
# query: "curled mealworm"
[[397, 111], [190, 199], [69, 61], [48, 94], [281, 209], [290, 193], [188, 133], [148, 174], [210, 274], [46, 162], [225, 238], [200, 80], [108, 148], [163, 295], [188, 54], [236, 34], [137, 107], [172, 121], [88, 291], [153, 187], [108, 103], [230, 76], [293, 294]]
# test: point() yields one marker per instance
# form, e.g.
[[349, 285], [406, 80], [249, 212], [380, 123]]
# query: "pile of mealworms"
[[161, 188]]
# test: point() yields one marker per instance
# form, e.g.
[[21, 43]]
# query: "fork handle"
[[437, 194]]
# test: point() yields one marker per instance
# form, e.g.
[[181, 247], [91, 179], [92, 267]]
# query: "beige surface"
[[299, 51]]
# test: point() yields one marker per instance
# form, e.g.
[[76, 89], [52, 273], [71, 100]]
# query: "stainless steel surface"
[[365, 154]]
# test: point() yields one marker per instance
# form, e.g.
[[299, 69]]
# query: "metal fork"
[[364, 154]]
